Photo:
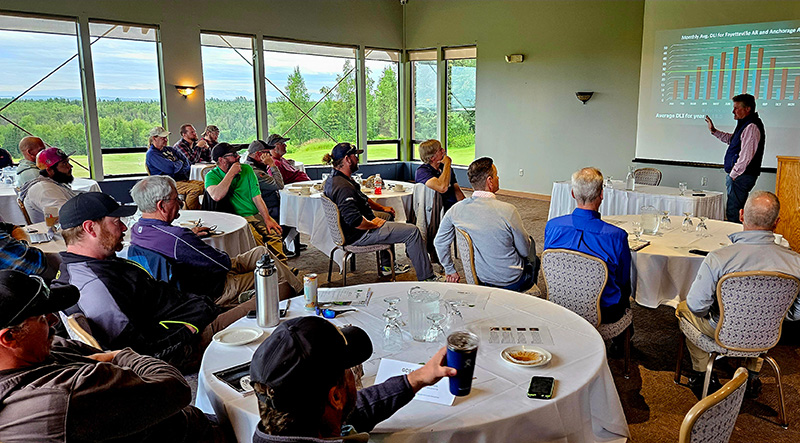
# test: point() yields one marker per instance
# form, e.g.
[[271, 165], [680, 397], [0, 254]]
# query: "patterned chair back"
[[647, 176], [467, 251], [752, 308], [712, 419], [333, 219], [575, 281]]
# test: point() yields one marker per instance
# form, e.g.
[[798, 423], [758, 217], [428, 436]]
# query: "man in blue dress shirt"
[[583, 231]]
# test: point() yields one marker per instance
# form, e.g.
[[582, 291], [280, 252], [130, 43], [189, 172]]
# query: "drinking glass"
[[393, 301], [666, 224], [392, 335], [455, 320], [436, 333], [683, 187], [637, 230], [325, 177], [702, 229], [609, 182], [687, 225]]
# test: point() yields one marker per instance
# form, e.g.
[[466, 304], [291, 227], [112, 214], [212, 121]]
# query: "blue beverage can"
[[462, 349]]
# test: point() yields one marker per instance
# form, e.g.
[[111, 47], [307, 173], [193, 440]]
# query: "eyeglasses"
[[177, 198], [232, 154], [43, 289]]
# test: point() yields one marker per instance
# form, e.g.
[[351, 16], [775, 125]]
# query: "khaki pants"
[[241, 278], [700, 357], [193, 189], [263, 236]]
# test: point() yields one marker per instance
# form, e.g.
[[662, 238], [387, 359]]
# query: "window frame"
[[397, 141]]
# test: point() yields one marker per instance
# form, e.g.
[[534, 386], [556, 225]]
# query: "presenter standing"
[[744, 154]]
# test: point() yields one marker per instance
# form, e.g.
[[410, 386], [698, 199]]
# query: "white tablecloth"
[[664, 270], [237, 237], [618, 201], [585, 406], [10, 211], [196, 171], [305, 213]]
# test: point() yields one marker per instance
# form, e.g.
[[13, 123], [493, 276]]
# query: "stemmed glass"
[[392, 335], [687, 224], [609, 182], [393, 301], [702, 229], [683, 187], [638, 230], [436, 333], [455, 320], [666, 224]]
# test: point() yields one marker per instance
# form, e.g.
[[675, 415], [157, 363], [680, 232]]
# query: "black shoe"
[[302, 246], [295, 271], [753, 385], [696, 384], [290, 254]]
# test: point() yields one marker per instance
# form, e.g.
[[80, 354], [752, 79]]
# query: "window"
[[383, 133], [461, 68], [228, 81], [41, 89], [127, 85], [311, 96], [423, 71]]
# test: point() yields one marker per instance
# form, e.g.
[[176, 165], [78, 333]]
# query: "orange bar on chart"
[[733, 70], [697, 84], [746, 68], [675, 90], [708, 77], [771, 80], [784, 80], [758, 70], [686, 87], [721, 82], [796, 87]]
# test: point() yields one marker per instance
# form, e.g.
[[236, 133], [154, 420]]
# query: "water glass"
[[393, 301], [637, 230], [435, 333], [666, 223], [392, 335], [609, 182], [702, 229], [687, 225], [683, 187]]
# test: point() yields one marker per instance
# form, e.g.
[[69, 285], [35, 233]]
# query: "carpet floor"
[[654, 405]]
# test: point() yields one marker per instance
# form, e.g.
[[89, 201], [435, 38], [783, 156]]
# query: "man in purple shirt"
[[437, 173], [199, 268], [162, 159], [744, 154]]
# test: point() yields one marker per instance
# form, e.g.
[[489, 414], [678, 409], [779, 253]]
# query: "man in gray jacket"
[[55, 390]]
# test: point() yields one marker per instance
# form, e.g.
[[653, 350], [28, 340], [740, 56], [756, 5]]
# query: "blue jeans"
[[530, 273], [738, 190]]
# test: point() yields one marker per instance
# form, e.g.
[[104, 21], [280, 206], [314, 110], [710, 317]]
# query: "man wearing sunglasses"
[[53, 389]]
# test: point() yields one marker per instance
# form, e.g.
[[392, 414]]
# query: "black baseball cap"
[[274, 139], [342, 150], [222, 149], [305, 357], [91, 206], [258, 145], [23, 296]]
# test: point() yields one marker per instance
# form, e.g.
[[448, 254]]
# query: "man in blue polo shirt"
[[583, 231]]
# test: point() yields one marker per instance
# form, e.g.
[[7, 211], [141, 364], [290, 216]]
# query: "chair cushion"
[[611, 330], [366, 248], [707, 343]]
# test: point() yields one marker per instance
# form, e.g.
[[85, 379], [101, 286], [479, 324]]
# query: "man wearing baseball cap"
[[286, 166], [83, 390], [306, 389], [237, 184], [270, 179], [52, 187], [125, 306], [163, 159]]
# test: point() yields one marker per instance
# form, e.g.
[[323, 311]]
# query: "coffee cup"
[[778, 238], [399, 187]]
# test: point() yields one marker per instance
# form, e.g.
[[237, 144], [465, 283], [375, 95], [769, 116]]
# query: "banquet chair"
[[647, 176], [77, 327], [467, 250], [206, 170], [427, 205], [576, 281], [24, 211], [752, 306], [712, 419], [334, 221]]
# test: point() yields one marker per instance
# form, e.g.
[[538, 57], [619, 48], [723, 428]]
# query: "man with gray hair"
[[753, 249], [198, 267], [583, 231], [27, 170]]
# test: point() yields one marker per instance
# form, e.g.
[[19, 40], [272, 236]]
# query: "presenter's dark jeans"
[[738, 190]]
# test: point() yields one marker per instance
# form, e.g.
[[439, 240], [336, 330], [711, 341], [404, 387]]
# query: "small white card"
[[438, 393]]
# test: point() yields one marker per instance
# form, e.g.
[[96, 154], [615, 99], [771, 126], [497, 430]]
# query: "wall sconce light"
[[584, 96], [515, 58], [185, 91]]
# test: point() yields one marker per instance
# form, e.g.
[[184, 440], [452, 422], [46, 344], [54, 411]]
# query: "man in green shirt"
[[238, 184]]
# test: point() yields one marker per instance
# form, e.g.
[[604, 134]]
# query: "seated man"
[[238, 184], [583, 231], [211, 137], [286, 166], [52, 187], [162, 159], [753, 249], [27, 169], [360, 224], [16, 254], [199, 268], [62, 390], [270, 180], [196, 151], [306, 390], [5, 159], [436, 173], [125, 306], [503, 248]]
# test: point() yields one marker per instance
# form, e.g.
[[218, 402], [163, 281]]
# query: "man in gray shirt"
[[504, 252]]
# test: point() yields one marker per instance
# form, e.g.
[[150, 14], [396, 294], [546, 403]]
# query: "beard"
[[109, 241], [62, 177], [353, 167]]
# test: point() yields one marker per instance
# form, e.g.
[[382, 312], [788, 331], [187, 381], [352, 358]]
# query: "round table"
[[664, 270], [196, 170], [11, 213], [236, 239], [584, 408], [305, 212]]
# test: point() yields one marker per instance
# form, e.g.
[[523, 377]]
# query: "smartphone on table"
[[541, 387]]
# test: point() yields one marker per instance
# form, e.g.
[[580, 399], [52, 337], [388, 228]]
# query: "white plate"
[[546, 356], [237, 336]]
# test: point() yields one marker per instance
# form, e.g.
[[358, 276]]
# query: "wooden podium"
[[787, 188]]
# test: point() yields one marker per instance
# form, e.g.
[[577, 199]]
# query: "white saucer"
[[546, 356], [237, 336]]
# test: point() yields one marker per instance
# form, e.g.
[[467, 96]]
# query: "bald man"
[[27, 170], [753, 249]]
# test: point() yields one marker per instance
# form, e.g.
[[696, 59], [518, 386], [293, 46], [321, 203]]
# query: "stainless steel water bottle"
[[266, 276]]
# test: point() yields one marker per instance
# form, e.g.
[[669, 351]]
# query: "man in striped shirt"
[[17, 255]]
